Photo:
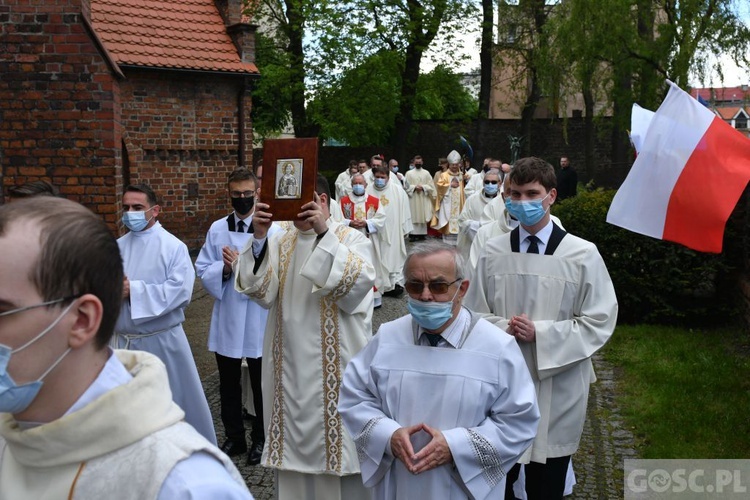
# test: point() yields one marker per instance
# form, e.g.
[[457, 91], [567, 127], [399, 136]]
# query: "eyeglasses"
[[48, 303], [242, 194], [436, 287], [490, 182]]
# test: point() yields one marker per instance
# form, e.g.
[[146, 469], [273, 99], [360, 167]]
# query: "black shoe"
[[256, 451], [234, 448], [396, 292], [246, 415]]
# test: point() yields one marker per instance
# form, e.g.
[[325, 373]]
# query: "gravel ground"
[[598, 463]]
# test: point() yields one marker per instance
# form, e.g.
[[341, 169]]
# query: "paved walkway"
[[598, 463]]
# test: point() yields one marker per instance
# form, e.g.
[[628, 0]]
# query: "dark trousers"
[[230, 393], [543, 481]]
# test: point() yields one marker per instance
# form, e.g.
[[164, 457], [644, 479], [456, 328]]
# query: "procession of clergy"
[[488, 371]]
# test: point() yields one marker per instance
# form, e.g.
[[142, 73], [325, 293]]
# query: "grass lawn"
[[684, 393]]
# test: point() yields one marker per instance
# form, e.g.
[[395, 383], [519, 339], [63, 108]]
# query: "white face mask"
[[15, 398]]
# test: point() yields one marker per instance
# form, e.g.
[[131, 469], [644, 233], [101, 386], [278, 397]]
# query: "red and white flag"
[[689, 174]]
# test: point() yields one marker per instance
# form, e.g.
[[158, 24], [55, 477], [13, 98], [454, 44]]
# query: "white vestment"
[[421, 204], [474, 184], [469, 220], [390, 251], [124, 438], [570, 297], [319, 295], [478, 393], [343, 184], [449, 203], [161, 278], [237, 323]]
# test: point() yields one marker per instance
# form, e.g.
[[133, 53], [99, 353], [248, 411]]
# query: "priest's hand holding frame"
[[262, 220]]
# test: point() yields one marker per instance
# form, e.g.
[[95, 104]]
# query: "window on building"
[[740, 122]]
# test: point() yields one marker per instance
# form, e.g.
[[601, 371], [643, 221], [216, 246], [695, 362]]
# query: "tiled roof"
[[175, 34], [722, 93], [727, 112]]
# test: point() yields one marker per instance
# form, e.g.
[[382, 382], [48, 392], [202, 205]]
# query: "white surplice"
[[390, 246], [343, 184], [319, 295], [476, 391], [570, 297], [161, 278], [469, 220], [421, 203], [237, 323]]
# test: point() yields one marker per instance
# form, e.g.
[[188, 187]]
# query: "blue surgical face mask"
[[380, 183], [16, 398], [529, 212], [431, 315], [395, 169], [490, 189], [358, 189], [136, 221]]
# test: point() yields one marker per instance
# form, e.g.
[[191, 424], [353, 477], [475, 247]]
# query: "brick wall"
[[57, 98], [67, 118], [181, 137]]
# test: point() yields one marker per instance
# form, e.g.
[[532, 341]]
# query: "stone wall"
[[551, 139]]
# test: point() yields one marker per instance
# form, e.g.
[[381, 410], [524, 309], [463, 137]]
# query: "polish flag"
[[640, 119], [689, 174]]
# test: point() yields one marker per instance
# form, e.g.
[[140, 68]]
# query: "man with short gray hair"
[[440, 402]]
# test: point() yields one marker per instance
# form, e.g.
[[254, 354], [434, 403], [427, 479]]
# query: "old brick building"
[[97, 94]]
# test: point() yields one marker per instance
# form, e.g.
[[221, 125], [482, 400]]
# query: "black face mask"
[[243, 205]]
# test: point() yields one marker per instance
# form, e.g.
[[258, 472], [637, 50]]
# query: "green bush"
[[655, 280]]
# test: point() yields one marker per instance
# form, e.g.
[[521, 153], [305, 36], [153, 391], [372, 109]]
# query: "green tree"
[[441, 96]]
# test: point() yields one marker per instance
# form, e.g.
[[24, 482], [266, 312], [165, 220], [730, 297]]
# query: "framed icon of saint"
[[290, 175]]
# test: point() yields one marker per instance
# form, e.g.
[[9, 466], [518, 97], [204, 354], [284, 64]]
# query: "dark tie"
[[433, 338], [241, 226], [533, 246]]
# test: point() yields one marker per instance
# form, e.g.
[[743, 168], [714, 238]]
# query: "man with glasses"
[[78, 420], [469, 220], [237, 324], [440, 403], [158, 285], [421, 191]]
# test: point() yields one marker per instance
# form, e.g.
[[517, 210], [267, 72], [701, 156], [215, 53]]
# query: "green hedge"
[[655, 280]]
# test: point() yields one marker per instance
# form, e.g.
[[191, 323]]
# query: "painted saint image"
[[288, 178]]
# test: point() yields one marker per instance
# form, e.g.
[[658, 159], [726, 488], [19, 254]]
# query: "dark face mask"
[[243, 205]]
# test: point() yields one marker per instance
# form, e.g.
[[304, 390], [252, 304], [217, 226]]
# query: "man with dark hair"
[[316, 279], [76, 419], [237, 324], [343, 182], [33, 188], [158, 285], [552, 292], [567, 180], [440, 402], [421, 191]]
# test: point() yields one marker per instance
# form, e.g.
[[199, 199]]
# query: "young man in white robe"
[[552, 292], [390, 245], [237, 323], [316, 279], [422, 193], [78, 420], [440, 402], [450, 199], [469, 220], [158, 285]]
